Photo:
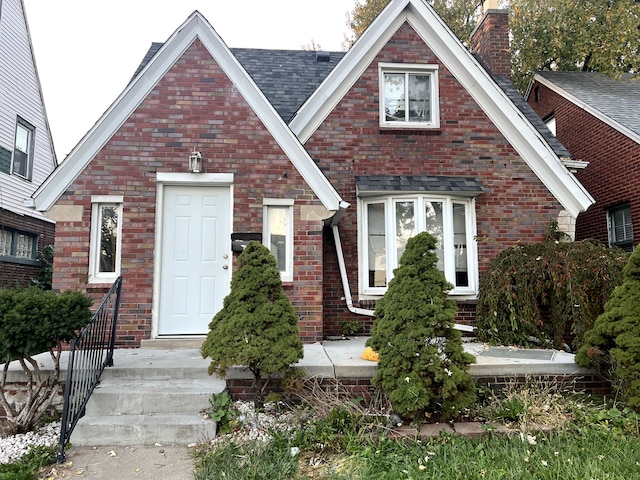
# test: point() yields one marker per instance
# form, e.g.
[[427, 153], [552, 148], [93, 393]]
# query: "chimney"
[[490, 39]]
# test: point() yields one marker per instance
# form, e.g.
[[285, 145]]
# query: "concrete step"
[[164, 429], [139, 397]]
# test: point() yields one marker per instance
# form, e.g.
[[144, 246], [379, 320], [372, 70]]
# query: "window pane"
[[21, 151], [460, 245], [278, 235], [419, 98], [394, 97], [108, 238], [405, 226], [434, 225], [24, 246], [5, 242], [377, 245]]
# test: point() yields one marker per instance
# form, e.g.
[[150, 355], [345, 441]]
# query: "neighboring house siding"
[[193, 106], [515, 206], [20, 97], [613, 174]]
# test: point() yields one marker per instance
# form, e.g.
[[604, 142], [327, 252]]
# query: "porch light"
[[195, 162]]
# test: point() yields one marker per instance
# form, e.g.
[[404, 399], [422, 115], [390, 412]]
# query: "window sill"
[[393, 130], [100, 284], [21, 261]]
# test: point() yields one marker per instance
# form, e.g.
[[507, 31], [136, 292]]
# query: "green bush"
[[613, 345], [34, 321], [257, 326], [546, 292], [423, 367]]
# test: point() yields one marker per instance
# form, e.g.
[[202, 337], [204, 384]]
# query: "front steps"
[[151, 398]]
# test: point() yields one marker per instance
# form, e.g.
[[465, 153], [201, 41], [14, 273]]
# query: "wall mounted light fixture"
[[195, 162]]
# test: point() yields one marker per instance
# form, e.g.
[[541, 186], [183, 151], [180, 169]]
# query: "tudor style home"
[[597, 118], [332, 160], [26, 151]]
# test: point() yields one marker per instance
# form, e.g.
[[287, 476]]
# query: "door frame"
[[188, 180]]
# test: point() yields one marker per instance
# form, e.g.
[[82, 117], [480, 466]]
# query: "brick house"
[[319, 155], [597, 119], [27, 157]]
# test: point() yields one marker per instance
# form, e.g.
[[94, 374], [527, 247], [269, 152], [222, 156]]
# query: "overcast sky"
[[87, 50]]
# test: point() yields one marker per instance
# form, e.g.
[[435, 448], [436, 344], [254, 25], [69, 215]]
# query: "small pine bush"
[[614, 342], [423, 367], [257, 326]]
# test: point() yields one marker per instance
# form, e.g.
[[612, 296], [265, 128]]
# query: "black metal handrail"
[[89, 354]]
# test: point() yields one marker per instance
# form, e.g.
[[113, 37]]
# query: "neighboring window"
[[23, 150], [278, 234], [550, 122], [620, 227], [409, 96], [389, 222], [106, 238], [17, 245]]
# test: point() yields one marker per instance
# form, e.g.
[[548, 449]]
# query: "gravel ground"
[[14, 447]]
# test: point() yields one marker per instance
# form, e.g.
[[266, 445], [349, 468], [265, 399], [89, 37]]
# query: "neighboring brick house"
[[27, 157], [597, 118], [317, 154]]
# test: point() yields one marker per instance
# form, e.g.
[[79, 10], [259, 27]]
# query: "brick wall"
[[12, 273], [515, 206], [613, 174], [490, 41], [193, 106]]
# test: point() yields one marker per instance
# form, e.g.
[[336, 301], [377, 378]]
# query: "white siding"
[[20, 95]]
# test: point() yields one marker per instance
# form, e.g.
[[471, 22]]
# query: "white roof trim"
[[196, 26], [527, 141], [587, 107]]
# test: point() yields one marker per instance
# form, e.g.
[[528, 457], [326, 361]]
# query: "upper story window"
[[22, 163], [550, 122], [17, 245], [620, 227], [278, 234], [409, 96], [106, 238]]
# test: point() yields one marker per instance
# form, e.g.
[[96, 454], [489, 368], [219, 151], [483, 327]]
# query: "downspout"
[[345, 281]]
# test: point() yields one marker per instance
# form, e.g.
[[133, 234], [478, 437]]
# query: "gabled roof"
[[196, 26], [517, 129], [613, 101]]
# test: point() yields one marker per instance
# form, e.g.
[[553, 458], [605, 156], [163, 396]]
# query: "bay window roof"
[[368, 185]]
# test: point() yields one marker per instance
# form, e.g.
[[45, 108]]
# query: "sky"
[[87, 50]]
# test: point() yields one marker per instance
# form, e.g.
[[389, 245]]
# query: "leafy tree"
[[614, 342], [548, 291], [34, 321], [582, 35], [423, 366], [459, 15], [257, 326]]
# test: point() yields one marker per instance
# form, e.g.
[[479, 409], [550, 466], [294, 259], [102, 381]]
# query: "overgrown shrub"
[[45, 258], [614, 342], [423, 367], [34, 321], [257, 326], [546, 292]]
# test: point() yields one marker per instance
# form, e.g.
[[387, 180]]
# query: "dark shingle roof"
[[286, 77], [514, 95], [417, 183], [612, 97]]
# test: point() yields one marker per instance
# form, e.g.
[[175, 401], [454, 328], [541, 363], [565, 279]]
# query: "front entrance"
[[195, 261]]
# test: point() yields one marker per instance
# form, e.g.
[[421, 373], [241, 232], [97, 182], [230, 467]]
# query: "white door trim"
[[188, 179]]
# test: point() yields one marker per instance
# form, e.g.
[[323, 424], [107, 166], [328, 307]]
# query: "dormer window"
[[409, 96]]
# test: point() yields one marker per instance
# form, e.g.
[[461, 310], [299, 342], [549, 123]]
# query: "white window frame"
[[97, 202], [627, 242], [286, 275], [407, 69], [31, 132], [550, 122], [420, 200]]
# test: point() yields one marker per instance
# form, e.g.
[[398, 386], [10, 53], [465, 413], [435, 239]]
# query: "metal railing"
[[90, 353]]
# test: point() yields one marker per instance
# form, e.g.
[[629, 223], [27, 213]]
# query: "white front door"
[[195, 257]]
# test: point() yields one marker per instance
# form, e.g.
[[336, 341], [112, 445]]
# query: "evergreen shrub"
[[613, 345], [423, 367], [547, 293], [34, 321], [257, 326]]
